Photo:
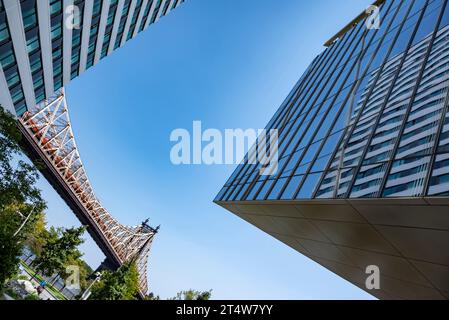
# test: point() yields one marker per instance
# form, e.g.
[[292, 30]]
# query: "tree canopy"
[[19, 197], [193, 295], [60, 246], [38, 236], [18, 177], [122, 284]]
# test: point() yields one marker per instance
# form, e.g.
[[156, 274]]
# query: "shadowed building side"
[[45, 44]]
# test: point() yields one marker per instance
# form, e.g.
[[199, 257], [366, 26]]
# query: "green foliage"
[[32, 297], [60, 245], [185, 295], [84, 269], [18, 178], [19, 197], [38, 236], [10, 292], [18, 194], [10, 248], [193, 295], [122, 284], [151, 296]]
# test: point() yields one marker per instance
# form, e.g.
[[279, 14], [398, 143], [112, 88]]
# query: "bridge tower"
[[48, 137]]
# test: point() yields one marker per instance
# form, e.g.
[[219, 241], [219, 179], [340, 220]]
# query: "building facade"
[[44, 44], [363, 172]]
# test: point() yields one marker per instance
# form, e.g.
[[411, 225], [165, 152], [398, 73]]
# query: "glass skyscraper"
[[363, 174], [39, 53]]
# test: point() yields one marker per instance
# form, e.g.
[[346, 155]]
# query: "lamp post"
[[24, 221]]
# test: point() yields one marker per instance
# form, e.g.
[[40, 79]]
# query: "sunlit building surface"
[[363, 176]]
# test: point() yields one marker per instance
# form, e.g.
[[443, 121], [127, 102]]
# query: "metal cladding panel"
[[406, 239]]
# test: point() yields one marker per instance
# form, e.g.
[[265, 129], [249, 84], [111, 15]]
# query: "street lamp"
[[24, 222], [87, 292]]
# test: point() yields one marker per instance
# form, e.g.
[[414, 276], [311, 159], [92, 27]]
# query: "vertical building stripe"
[[5, 97], [118, 14], [139, 19], [128, 22], [101, 30], [150, 14], [160, 10], [67, 45], [14, 15], [170, 6], [87, 20]]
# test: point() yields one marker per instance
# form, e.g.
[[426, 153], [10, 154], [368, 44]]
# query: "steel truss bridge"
[[48, 137]]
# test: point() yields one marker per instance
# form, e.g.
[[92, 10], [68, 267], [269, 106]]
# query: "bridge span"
[[48, 138]]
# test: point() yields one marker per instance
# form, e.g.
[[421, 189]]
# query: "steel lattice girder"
[[50, 127]]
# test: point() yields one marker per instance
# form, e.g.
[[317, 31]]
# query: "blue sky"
[[229, 64]]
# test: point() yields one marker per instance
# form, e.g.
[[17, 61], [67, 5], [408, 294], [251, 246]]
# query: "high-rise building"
[[44, 44], [362, 182]]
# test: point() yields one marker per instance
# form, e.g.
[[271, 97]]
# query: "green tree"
[[60, 246], [38, 236], [122, 284], [18, 178], [193, 295], [10, 247], [19, 197], [152, 296]]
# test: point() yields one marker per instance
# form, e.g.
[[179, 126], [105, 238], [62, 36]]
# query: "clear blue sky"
[[230, 64]]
